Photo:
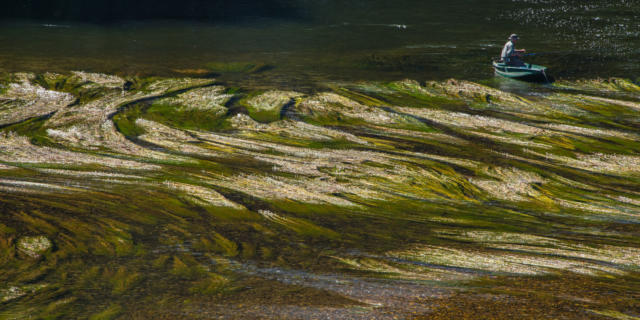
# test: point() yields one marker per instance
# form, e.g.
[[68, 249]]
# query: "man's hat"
[[513, 36]]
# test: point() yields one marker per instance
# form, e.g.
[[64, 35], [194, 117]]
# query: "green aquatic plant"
[[186, 119], [268, 106], [123, 280], [150, 195], [213, 284], [237, 67], [111, 312], [33, 246]]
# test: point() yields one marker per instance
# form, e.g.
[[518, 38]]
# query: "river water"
[[336, 40], [168, 180]]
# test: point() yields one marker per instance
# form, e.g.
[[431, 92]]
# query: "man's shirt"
[[508, 50]]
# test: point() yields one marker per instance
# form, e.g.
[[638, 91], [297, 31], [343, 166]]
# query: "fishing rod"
[[533, 54], [544, 53], [540, 53], [550, 52]]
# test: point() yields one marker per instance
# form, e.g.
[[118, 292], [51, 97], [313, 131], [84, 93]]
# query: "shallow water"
[[185, 198], [278, 168]]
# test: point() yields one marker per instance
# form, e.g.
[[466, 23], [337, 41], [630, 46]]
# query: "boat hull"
[[528, 72]]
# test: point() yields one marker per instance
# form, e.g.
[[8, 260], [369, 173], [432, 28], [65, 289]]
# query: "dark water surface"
[[358, 40]]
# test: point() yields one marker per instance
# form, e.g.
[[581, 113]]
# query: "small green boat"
[[527, 72]]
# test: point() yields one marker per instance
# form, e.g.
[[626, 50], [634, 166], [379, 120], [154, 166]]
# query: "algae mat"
[[138, 198]]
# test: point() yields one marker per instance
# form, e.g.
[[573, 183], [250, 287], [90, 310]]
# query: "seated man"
[[510, 55]]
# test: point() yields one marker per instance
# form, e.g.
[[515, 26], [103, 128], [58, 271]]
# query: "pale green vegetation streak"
[[159, 196]]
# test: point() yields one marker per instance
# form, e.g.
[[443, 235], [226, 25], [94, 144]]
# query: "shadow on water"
[[113, 11]]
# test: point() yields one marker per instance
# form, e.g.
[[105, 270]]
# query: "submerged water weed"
[[236, 67], [33, 246], [268, 106], [111, 312], [121, 195]]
